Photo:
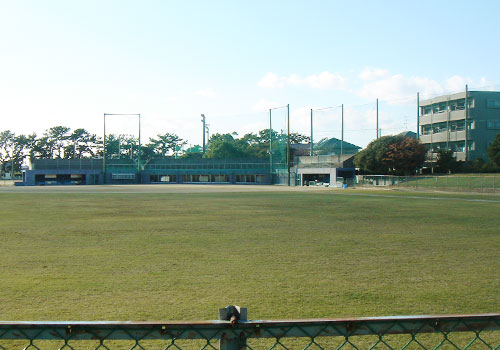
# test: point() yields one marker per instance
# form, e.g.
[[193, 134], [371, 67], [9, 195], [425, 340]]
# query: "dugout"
[[45, 172], [206, 171]]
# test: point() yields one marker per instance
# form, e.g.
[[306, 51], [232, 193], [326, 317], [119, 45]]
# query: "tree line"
[[399, 155], [60, 142]]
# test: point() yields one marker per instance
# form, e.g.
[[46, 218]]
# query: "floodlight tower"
[[204, 130]]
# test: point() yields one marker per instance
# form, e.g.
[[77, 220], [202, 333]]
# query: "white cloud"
[[323, 80], [210, 93], [371, 74], [272, 81], [457, 83], [398, 87], [264, 105]]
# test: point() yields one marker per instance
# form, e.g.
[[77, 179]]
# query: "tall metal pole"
[[288, 140], [466, 123], [104, 153], [270, 143], [377, 119], [342, 141], [139, 151], [312, 142], [418, 116], [204, 130]]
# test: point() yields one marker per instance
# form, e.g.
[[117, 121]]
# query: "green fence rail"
[[481, 331], [470, 183]]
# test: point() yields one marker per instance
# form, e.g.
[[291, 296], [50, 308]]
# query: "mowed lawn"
[[171, 256]]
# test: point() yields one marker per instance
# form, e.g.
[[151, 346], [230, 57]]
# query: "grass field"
[[283, 254], [479, 183]]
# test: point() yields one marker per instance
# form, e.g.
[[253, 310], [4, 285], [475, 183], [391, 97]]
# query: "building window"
[[426, 130], [116, 176], [493, 124], [493, 103], [250, 178]]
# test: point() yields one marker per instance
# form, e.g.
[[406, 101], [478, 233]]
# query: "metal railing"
[[233, 331]]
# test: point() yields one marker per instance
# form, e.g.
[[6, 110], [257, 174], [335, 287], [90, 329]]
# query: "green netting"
[[278, 141]]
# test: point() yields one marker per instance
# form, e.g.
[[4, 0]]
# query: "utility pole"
[[270, 144], [139, 151], [104, 151], [312, 143], [466, 124], [288, 140], [342, 141], [418, 116], [204, 130], [377, 119]]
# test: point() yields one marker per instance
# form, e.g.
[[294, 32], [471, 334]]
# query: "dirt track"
[[153, 189]]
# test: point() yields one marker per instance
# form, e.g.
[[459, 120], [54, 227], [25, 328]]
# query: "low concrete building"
[[329, 169]]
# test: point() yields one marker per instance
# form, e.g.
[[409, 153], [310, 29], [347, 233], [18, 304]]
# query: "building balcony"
[[425, 139], [442, 117], [425, 119], [433, 156], [457, 114]]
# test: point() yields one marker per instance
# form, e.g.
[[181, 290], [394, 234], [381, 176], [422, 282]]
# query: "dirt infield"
[[171, 188]]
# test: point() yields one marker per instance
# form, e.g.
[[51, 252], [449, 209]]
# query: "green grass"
[[282, 255], [489, 183]]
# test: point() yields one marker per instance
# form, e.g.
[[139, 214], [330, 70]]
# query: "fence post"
[[231, 339]]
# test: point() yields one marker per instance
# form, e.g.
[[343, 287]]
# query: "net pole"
[[288, 140], [466, 124], [139, 151], [312, 142], [342, 140], [418, 115], [270, 143], [104, 152]]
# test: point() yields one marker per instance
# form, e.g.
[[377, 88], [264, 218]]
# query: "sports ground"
[[179, 252]]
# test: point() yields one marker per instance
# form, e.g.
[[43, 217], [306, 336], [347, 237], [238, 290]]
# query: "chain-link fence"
[[471, 183], [403, 332]]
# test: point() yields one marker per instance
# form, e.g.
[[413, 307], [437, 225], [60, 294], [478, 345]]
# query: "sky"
[[69, 62]]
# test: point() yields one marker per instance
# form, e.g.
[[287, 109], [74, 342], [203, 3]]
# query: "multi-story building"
[[465, 122]]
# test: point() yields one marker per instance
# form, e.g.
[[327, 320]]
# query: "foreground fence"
[[235, 332], [470, 183]]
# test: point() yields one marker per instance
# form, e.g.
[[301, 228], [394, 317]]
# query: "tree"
[[446, 162], [6, 149], [166, 144], [81, 144], [370, 159], [56, 139], [405, 156], [223, 146], [193, 152], [494, 151], [21, 148], [299, 138], [391, 154]]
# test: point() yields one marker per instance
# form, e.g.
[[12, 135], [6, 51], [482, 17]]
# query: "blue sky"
[[68, 62]]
